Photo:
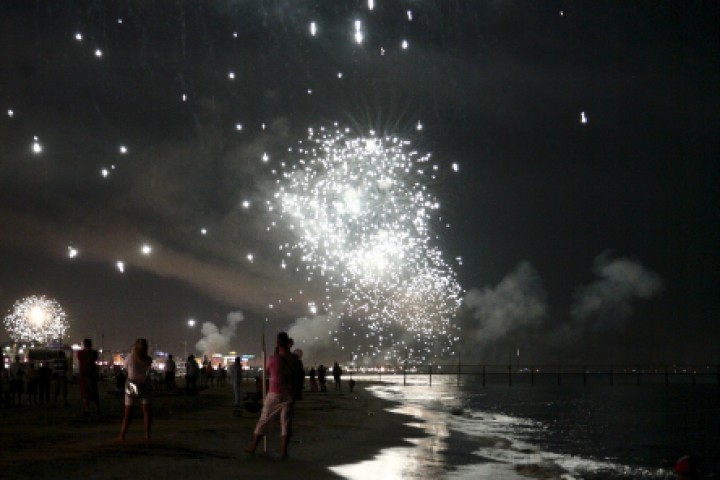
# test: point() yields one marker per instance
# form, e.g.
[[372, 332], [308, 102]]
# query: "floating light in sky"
[[264, 126], [362, 215], [203, 231], [238, 127], [339, 75], [583, 118], [382, 51], [98, 53], [246, 204], [184, 97], [36, 146], [146, 249], [562, 13], [419, 126], [409, 15], [404, 44], [36, 319], [72, 252], [371, 4], [313, 28], [358, 32], [10, 113], [120, 265], [309, 91], [235, 35], [455, 167], [123, 149], [231, 75], [265, 157], [250, 257], [78, 36], [120, 20]]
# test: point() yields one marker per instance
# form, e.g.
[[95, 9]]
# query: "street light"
[[190, 324]]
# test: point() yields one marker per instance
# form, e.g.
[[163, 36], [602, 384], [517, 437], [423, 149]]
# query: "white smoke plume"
[[313, 335], [518, 301], [216, 340], [608, 300]]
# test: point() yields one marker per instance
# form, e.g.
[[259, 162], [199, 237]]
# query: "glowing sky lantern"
[[36, 319]]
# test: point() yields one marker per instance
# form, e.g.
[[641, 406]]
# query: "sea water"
[[581, 431]]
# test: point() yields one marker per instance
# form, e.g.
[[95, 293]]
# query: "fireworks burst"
[[36, 319], [361, 214]]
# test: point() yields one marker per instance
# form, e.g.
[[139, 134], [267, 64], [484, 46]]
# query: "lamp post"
[[190, 324]]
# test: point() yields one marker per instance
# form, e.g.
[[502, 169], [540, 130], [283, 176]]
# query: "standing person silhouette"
[[337, 374], [138, 373], [282, 368], [88, 377]]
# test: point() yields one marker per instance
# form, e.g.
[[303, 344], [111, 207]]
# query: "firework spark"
[[362, 215], [36, 319]]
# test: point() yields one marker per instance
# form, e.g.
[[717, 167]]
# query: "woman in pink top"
[[282, 368]]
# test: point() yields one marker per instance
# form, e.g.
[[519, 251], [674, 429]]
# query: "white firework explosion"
[[361, 214], [36, 319]]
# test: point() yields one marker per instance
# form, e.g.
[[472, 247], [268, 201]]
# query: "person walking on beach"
[[236, 379], [88, 377], [337, 374], [281, 367], [60, 369], [321, 378], [170, 373], [139, 387], [313, 381], [191, 374]]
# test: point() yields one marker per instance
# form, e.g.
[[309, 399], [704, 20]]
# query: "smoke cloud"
[[608, 300], [313, 335], [216, 340], [518, 301]]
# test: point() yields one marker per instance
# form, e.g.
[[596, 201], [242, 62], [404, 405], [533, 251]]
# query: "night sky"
[[583, 222]]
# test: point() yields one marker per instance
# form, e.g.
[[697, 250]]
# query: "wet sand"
[[196, 436]]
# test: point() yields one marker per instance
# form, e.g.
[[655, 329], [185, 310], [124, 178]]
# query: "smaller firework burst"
[[36, 319]]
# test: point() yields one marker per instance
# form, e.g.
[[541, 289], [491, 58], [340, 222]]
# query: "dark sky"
[[593, 241]]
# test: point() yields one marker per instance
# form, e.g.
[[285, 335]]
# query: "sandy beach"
[[196, 436]]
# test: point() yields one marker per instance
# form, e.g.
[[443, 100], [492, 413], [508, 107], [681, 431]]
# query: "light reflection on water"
[[491, 445]]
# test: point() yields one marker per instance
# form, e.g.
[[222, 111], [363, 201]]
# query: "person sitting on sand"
[[138, 373], [280, 398]]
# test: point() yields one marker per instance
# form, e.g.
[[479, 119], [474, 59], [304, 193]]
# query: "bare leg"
[[283, 446], [253, 445], [125, 423], [147, 417]]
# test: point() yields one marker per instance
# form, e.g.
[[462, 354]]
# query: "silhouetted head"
[[87, 343]]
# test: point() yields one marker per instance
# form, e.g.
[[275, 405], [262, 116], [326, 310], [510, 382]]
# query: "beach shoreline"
[[196, 436]]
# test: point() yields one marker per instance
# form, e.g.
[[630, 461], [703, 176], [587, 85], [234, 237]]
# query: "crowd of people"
[[30, 383]]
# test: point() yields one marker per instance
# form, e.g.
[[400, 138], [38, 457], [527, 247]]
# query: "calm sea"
[[622, 431]]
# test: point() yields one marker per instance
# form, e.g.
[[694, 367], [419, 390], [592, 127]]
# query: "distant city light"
[[123, 149], [146, 249], [98, 53], [231, 75], [409, 15], [238, 127], [120, 266], [455, 167], [104, 172], [583, 118], [10, 112], [203, 231], [404, 44], [36, 146], [313, 28], [78, 37], [72, 252]]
